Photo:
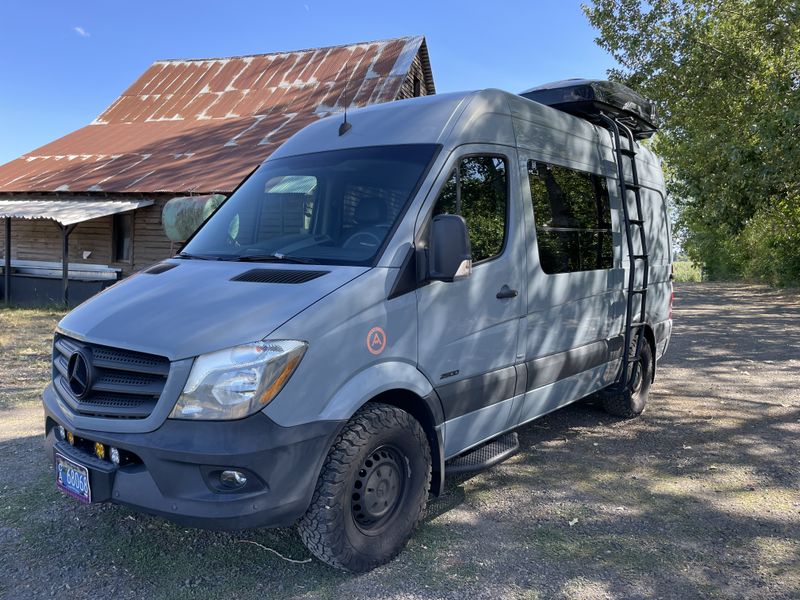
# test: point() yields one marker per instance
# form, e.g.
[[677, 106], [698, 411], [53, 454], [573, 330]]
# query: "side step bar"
[[487, 455]]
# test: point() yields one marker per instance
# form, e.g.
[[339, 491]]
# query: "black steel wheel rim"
[[378, 488], [636, 378]]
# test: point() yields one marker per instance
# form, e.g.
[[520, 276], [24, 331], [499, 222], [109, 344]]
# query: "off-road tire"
[[632, 401], [332, 529]]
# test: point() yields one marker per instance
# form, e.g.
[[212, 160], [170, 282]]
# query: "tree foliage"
[[481, 186], [726, 77]]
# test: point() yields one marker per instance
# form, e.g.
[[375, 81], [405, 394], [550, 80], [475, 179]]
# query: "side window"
[[478, 191], [573, 219]]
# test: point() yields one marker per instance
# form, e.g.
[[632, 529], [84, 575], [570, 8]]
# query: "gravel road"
[[698, 498]]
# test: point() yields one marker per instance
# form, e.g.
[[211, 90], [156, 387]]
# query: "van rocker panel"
[[175, 479]]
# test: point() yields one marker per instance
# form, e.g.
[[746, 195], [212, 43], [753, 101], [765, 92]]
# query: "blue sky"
[[63, 62]]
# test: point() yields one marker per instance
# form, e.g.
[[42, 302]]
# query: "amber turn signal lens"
[[99, 450], [70, 438]]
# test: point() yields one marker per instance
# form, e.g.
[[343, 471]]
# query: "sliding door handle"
[[507, 292]]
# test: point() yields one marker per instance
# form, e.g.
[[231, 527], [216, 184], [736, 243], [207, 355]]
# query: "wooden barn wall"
[[407, 89], [41, 240], [150, 243]]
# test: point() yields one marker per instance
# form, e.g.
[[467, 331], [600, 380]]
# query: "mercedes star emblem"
[[79, 374]]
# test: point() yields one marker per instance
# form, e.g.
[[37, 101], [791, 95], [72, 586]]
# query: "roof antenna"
[[345, 126]]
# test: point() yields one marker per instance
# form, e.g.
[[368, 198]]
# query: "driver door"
[[469, 328]]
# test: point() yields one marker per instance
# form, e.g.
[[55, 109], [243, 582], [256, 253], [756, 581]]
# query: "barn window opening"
[[417, 87], [122, 237]]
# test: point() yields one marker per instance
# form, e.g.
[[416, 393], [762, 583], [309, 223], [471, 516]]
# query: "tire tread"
[[321, 528], [622, 403]]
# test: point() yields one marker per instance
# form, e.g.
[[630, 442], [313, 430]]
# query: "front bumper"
[[180, 460]]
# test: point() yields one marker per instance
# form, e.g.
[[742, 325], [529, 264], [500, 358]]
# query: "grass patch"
[[686, 271], [118, 546], [17, 504], [26, 338]]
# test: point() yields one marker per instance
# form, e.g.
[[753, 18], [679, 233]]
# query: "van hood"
[[195, 307]]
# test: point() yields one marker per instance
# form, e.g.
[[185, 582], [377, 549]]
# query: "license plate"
[[73, 479]]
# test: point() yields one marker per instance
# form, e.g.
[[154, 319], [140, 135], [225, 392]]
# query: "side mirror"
[[449, 253]]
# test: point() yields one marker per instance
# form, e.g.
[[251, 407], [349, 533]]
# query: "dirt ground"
[[698, 498]]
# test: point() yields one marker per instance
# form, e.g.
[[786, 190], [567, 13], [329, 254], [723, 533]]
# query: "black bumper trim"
[[101, 473], [178, 456]]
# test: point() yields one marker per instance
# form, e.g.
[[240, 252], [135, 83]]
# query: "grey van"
[[382, 302]]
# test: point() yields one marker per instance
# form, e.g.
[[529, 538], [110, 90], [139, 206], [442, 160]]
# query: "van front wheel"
[[632, 400], [371, 492]]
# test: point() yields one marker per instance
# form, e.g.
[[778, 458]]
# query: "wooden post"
[[7, 268], [65, 264]]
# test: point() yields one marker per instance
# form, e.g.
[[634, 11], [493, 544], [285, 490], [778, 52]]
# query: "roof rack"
[[591, 98]]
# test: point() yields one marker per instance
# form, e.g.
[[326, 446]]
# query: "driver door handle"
[[507, 292]]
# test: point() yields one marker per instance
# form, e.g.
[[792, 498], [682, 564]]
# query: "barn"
[[86, 209]]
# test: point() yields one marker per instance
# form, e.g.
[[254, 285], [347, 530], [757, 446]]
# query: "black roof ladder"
[[635, 313]]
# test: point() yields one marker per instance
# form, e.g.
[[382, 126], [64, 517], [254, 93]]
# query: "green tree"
[[726, 77]]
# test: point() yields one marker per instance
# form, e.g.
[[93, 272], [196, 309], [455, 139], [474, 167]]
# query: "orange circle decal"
[[376, 340]]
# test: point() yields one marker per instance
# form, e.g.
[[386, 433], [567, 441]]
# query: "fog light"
[[114, 455], [232, 479], [99, 450], [70, 438], [61, 432]]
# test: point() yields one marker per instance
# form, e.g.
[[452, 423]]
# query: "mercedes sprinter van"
[[382, 297]]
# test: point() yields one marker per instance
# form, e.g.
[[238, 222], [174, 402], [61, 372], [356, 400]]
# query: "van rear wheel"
[[372, 490], [632, 400]]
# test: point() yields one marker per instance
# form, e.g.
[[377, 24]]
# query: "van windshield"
[[334, 207]]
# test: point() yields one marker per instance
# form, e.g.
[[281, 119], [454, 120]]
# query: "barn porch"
[[35, 281]]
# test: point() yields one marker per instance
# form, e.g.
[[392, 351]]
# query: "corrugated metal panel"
[[67, 212], [202, 125]]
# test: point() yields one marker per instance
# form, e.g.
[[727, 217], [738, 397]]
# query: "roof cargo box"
[[588, 98]]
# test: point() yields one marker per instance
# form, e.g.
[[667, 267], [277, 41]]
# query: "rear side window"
[[573, 219], [478, 191]]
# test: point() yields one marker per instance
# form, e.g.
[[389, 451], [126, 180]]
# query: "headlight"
[[236, 382]]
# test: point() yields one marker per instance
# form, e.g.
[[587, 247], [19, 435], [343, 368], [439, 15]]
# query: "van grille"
[[100, 381]]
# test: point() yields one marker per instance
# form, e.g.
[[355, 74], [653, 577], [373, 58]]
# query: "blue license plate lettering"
[[72, 478]]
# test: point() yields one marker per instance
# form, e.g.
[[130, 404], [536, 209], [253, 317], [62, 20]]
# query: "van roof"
[[413, 121], [482, 116]]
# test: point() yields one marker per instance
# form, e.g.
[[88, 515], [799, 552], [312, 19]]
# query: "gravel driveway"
[[700, 497]]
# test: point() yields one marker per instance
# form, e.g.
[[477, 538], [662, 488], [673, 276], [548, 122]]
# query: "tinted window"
[[573, 219], [478, 191], [333, 207]]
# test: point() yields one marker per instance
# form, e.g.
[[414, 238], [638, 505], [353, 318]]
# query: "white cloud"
[[80, 31]]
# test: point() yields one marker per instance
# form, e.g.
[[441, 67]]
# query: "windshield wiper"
[[194, 256], [275, 257]]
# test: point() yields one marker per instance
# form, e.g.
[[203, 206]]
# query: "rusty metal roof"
[[203, 125], [67, 212]]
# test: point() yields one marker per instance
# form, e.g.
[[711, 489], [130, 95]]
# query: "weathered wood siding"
[[415, 73], [41, 240], [150, 243]]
